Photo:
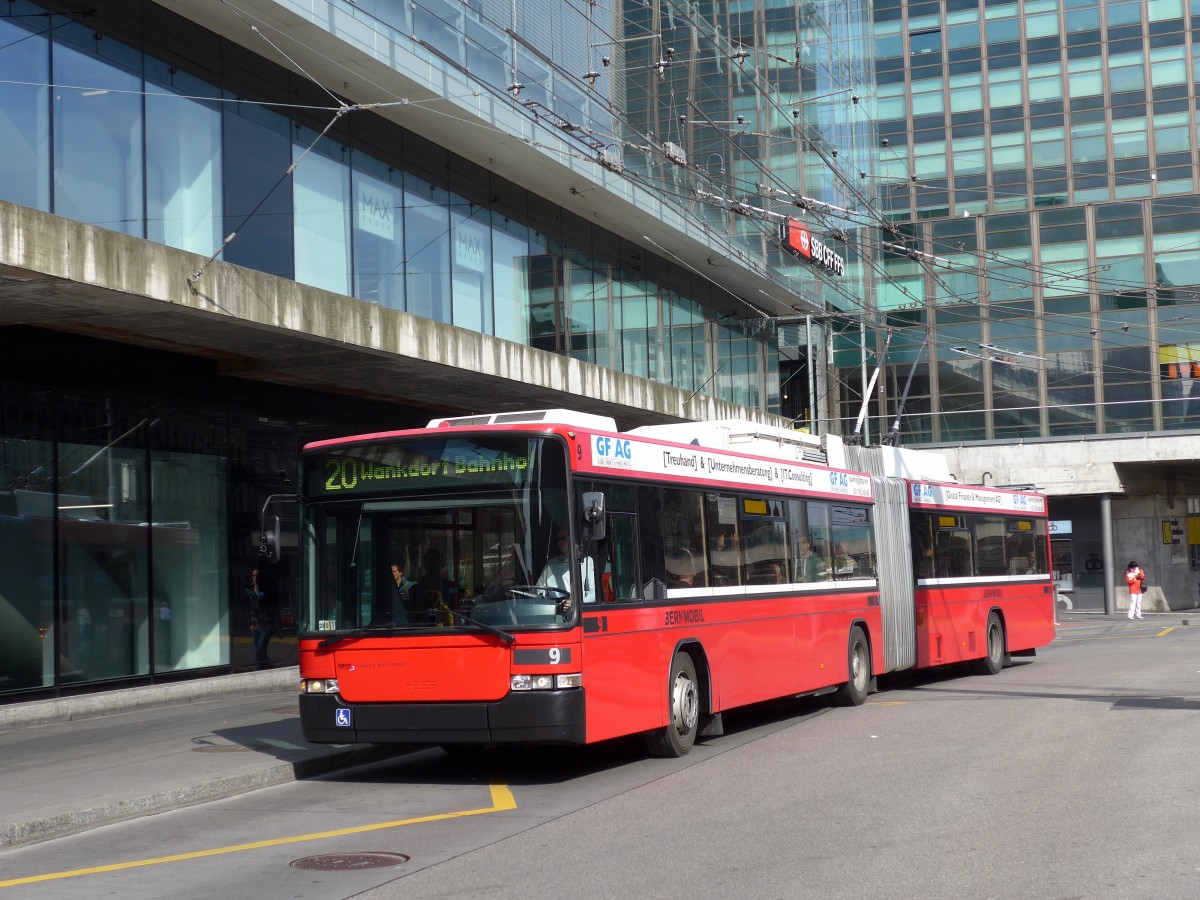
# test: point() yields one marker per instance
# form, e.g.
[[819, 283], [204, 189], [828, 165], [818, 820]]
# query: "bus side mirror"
[[593, 516], [268, 542]]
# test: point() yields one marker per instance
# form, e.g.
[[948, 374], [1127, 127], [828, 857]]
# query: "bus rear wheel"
[[858, 684], [683, 697], [993, 662]]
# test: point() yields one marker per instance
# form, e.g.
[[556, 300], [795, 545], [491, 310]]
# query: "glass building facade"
[[1041, 222], [158, 142], [130, 509]]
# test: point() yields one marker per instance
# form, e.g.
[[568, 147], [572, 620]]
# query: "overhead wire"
[[1074, 274]]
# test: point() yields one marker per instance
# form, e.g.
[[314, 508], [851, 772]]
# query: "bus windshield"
[[434, 532]]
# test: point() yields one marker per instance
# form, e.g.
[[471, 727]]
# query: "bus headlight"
[[532, 682], [545, 682], [319, 686]]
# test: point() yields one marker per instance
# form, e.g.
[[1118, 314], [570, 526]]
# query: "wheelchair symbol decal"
[[341, 718]]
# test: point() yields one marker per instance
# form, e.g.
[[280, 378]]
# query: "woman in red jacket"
[[1136, 579]]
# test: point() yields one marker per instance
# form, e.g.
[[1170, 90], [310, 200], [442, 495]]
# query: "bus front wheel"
[[994, 661], [683, 697], [858, 683]]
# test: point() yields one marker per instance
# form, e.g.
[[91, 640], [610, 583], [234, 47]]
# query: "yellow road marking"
[[502, 799], [885, 703], [1082, 638]]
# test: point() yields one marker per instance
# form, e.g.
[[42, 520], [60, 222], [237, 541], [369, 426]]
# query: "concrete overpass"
[[63, 275]]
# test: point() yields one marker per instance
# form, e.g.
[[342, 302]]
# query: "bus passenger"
[[809, 566], [432, 582], [398, 596], [439, 612], [725, 557], [768, 573], [681, 569]]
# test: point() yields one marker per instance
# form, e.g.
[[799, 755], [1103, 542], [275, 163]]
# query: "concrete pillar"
[[1110, 556]]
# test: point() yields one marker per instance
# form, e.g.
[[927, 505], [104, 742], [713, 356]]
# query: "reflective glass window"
[[889, 46], [638, 323], [510, 279], [1158, 10], [1003, 31], [183, 166], [101, 501], [439, 23], [1179, 267], [689, 357], [30, 630], [97, 143], [960, 36], [966, 93], [377, 223], [1041, 26], [927, 98], [257, 151], [1086, 83], [925, 42], [1008, 151], [1124, 13], [24, 117], [1005, 89], [427, 241], [471, 264], [1172, 71], [1129, 138], [1127, 78], [189, 541], [321, 213]]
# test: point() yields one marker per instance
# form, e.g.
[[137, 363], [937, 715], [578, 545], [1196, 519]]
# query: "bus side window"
[[724, 544], [652, 544], [620, 579]]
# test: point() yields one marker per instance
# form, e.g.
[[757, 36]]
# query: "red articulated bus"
[[541, 578]]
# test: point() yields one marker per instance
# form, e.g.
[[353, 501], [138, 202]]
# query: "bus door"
[[620, 651]]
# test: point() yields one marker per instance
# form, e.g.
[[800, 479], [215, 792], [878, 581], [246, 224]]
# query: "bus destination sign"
[[412, 466]]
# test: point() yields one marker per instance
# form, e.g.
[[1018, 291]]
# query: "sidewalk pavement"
[[1075, 618], [72, 764], [76, 763]]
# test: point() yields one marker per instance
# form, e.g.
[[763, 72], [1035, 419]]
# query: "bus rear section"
[[984, 590], [964, 573]]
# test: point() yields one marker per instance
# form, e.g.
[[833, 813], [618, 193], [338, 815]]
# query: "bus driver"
[[557, 573]]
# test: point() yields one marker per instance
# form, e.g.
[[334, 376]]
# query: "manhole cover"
[[334, 862]]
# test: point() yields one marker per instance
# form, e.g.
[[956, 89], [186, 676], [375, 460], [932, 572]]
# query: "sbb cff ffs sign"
[[794, 236]]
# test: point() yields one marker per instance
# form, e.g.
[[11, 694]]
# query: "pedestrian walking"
[[1136, 579]]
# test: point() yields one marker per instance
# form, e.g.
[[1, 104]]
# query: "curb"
[[18, 834], [107, 703]]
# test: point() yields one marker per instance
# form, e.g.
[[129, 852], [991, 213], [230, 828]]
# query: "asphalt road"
[[1073, 775]]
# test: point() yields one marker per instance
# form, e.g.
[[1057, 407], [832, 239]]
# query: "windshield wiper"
[[389, 628], [503, 635], [392, 628]]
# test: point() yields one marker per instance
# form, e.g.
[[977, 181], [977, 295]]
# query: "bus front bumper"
[[554, 717]]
